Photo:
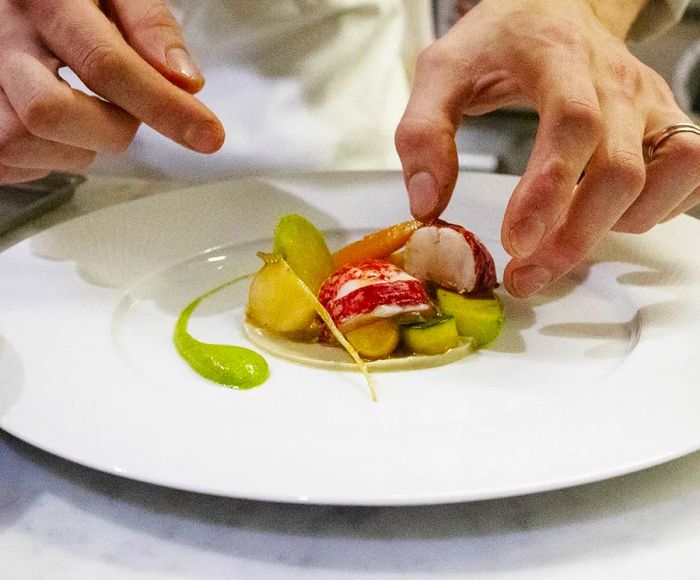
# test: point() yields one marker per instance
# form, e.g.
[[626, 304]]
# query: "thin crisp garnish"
[[323, 313]]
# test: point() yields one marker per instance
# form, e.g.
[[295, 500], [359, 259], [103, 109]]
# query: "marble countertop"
[[62, 520]]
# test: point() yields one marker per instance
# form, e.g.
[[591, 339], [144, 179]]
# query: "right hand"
[[137, 64], [599, 109]]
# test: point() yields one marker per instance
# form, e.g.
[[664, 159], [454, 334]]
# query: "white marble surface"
[[61, 520]]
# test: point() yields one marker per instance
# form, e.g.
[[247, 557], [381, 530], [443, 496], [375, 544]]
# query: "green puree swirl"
[[234, 366]]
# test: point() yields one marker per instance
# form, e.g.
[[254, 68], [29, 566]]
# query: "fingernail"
[[530, 279], [204, 137], [525, 236], [422, 194], [180, 61]]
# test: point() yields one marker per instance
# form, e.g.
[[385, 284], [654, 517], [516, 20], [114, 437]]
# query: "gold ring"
[[664, 134]]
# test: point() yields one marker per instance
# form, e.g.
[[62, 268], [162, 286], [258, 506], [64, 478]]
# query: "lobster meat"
[[451, 257], [358, 293]]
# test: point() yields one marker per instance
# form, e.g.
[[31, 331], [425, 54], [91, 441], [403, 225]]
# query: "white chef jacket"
[[297, 84], [304, 84]]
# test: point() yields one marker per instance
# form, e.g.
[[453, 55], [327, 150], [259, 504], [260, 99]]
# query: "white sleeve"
[[418, 31], [656, 17]]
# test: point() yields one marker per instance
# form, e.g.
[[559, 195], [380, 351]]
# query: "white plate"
[[596, 378]]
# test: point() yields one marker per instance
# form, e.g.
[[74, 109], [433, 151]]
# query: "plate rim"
[[398, 499]]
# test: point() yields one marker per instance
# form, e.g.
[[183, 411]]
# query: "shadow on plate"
[[118, 246]]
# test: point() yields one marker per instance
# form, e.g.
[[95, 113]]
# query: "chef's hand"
[[598, 107], [134, 59]]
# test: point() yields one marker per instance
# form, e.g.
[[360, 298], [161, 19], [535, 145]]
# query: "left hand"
[[599, 108]]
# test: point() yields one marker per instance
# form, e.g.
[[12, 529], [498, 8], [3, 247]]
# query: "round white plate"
[[597, 377]]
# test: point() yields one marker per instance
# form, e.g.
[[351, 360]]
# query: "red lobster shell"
[[357, 293]]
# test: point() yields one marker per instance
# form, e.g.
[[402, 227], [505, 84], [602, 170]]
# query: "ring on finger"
[[660, 136]]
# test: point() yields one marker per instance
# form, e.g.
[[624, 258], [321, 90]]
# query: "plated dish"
[[594, 378], [407, 296]]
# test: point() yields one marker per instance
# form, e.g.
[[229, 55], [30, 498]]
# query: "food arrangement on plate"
[[408, 296]]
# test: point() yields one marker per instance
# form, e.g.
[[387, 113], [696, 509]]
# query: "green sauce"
[[234, 366]]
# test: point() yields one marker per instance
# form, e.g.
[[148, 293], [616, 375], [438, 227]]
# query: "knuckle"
[[157, 15], [100, 64], [565, 35], [584, 117], [554, 177], [434, 56], [627, 76], [550, 37], [414, 133], [43, 111], [626, 170]]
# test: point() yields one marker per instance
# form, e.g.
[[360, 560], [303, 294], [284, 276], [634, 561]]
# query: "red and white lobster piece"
[[451, 257], [357, 293]]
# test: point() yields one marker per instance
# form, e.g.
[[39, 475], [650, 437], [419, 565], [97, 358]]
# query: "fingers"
[[614, 177], [80, 36], [672, 178], [20, 150], [52, 110], [593, 98], [569, 132], [151, 29], [18, 175], [688, 203], [425, 137]]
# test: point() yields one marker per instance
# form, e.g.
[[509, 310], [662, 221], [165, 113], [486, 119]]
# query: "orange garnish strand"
[[377, 245]]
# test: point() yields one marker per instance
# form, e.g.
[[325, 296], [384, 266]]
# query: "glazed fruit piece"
[[480, 317], [434, 336], [377, 245], [276, 301], [303, 247], [376, 340]]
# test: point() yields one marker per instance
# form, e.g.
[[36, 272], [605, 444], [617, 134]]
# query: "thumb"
[[425, 139], [151, 29]]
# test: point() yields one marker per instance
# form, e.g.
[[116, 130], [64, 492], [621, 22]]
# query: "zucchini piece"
[[434, 336], [480, 317]]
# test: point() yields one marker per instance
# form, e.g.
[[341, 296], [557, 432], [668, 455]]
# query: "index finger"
[[425, 136], [84, 39]]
